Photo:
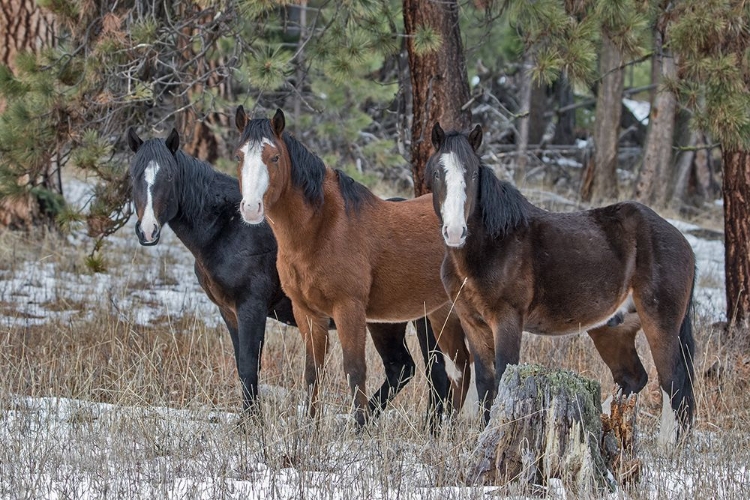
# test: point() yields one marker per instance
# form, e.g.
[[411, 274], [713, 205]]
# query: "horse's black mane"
[[353, 192], [503, 207], [308, 170], [197, 181]]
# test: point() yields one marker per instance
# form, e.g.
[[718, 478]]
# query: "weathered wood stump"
[[547, 424]]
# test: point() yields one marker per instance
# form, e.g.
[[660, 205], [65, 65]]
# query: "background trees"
[[363, 82]]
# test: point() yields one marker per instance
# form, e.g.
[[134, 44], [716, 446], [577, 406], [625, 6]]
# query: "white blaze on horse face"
[[452, 211], [255, 181], [149, 224]]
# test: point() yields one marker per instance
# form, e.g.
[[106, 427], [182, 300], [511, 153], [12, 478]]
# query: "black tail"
[[683, 402]]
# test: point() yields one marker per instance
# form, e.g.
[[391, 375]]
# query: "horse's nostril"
[[259, 207], [463, 233]]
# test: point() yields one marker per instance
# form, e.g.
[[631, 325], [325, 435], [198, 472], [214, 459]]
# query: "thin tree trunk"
[[737, 235], [566, 120], [603, 172], [300, 64], [655, 176], [684, 166], [531, 126], [439, 81]]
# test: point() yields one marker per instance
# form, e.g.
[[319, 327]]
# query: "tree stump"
[[547, 424]]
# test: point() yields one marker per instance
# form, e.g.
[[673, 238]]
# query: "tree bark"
[[655, 177], [439, 82], [24, 26], [603, 174], [737, 235], [547, 424]]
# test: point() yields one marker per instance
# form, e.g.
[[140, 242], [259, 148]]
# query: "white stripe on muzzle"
[[255, 181], [149, 224], [454, 222]]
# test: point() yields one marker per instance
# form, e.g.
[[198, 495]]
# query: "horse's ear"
[[438, 136], [240, 118], [173, 141], [133, 140], [278, 123], [475, 138]]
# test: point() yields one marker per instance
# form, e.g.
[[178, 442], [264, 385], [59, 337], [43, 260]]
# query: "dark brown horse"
[[610, 271], [344, 253]]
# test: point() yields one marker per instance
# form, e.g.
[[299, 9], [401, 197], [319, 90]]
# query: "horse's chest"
[[215, 290], [305, 282]]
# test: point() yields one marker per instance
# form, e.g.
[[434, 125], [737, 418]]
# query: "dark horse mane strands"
[[504, 208], [354, 193]]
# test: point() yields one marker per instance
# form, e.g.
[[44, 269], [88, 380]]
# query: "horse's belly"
[[541, 322]]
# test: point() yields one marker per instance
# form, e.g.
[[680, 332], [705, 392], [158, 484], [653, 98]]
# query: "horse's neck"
[[296, 223], [196, 223]]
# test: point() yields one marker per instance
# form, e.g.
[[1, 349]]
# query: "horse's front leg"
[[507, 325], [314, 330], [351, 326], [251, 319]]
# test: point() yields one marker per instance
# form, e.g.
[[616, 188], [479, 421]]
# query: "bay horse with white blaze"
[[511, 266], [344, 253], [200, 206]]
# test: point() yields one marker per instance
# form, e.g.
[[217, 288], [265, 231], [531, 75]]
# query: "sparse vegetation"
[[95, 404]]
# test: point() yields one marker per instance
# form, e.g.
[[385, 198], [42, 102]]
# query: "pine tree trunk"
[[439, 81], [531, 126], [737, 235], [655, 177], [566, 121], [607, 127], [24, 26]]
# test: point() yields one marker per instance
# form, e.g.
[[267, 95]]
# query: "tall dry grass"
[[166, 423]]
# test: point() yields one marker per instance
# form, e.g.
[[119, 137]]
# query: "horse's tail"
[[683, 402]]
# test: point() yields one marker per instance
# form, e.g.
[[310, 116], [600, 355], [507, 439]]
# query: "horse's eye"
[[474, 175], [275, 159], [236, 157]]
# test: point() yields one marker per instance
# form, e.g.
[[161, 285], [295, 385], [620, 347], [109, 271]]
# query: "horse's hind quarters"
[[252, 213], [148, 237]]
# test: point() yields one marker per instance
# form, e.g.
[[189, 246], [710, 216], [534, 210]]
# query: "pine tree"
[[712, 45]]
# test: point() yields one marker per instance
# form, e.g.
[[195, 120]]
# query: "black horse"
[[236, 265]]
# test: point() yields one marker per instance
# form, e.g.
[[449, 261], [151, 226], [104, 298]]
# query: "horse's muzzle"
[[252, 213], [455, 236], [146, 242]]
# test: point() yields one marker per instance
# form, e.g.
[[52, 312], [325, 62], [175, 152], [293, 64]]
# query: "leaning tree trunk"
[[737, 235], [547, 424], [24, 26], [439, 82], [655, 177], [600, 177]]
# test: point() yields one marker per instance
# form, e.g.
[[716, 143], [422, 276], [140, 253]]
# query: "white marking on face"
[[255, 181], [149, 224], [454, 221]]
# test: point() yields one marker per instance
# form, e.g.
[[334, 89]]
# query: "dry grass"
[[166, 423]]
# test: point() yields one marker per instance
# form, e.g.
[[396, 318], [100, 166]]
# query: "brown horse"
[[609, 271], [344, 254]]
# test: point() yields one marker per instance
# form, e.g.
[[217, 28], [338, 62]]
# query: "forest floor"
[[123, 385]]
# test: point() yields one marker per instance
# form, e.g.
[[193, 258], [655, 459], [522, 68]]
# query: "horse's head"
[[263, 163], [452, 174], [152, 177]]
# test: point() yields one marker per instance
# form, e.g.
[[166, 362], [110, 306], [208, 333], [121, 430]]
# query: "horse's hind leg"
[[388, 339], [616, 346], [434, 362], [450, 336]]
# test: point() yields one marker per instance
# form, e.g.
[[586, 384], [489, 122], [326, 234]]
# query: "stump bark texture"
[[545, 424]]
